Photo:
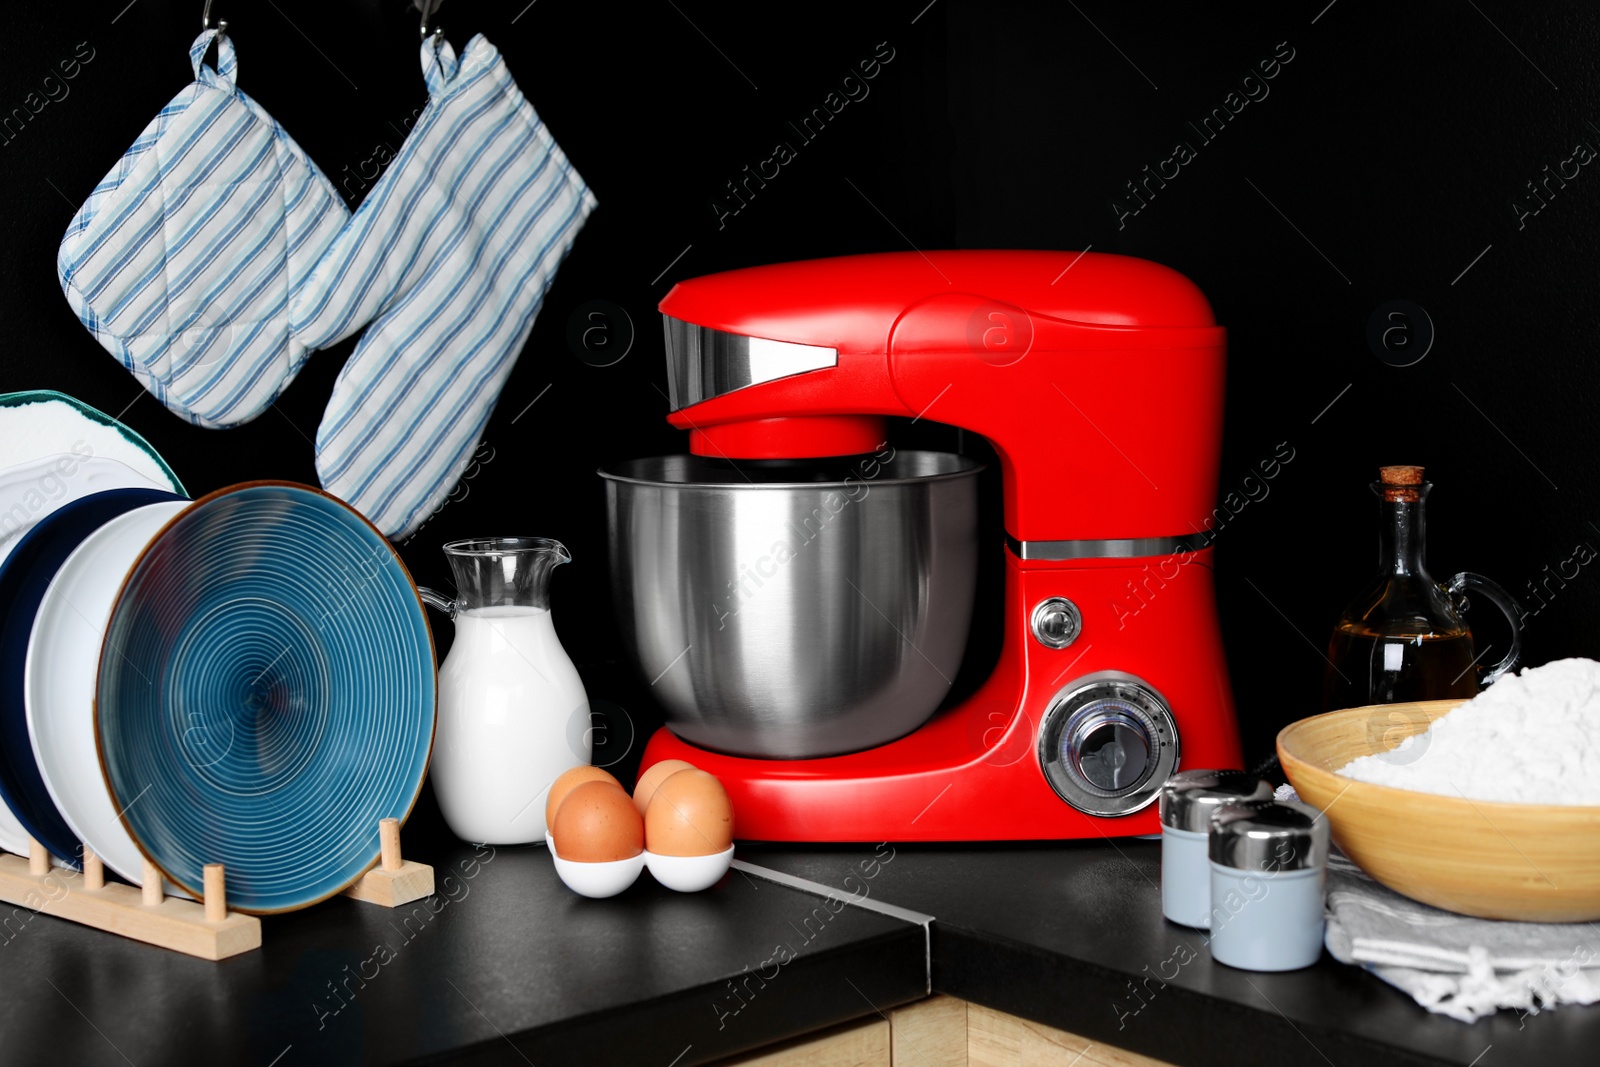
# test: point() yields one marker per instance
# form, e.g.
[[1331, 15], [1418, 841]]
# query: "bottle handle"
[[438, 601], [1467, 581]]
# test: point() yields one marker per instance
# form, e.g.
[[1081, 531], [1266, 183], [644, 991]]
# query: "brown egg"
[[650, 780], [566, 783], [690, 815], [597, 823]]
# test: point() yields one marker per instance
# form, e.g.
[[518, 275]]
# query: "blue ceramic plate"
[[24, 577], [266, 695]]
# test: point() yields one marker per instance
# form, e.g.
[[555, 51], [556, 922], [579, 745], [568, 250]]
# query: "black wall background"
[[1381, 165]]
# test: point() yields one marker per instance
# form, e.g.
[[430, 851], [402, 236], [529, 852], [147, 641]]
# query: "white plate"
[[13, 838], [63, 670], [30, 491], [42, 422]]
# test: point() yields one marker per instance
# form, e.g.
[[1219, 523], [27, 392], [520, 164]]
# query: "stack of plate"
[[65, 470], [246, 679]]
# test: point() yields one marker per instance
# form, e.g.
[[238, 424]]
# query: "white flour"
[[1531, 738]]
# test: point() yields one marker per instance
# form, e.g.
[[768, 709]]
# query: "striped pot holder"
[[184, 259], [448, 259]]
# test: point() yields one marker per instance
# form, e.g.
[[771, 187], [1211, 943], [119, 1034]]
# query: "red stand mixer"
[[1098, 379]]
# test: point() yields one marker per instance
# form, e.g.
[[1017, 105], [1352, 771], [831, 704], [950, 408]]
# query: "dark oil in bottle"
[[1369, 667]]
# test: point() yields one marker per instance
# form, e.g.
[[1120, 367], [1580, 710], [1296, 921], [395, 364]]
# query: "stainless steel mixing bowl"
[[790, 610]]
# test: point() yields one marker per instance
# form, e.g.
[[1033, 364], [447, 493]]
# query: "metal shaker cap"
[[1189, 797], [1269, 836]]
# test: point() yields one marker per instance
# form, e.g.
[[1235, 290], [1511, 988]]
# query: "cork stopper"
[[1400, 483]]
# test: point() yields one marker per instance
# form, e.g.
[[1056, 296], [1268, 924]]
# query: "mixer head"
[[705, 363], [1097, 378]]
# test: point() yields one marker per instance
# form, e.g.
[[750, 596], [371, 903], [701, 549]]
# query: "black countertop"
[[505, 965], [1071, 935]]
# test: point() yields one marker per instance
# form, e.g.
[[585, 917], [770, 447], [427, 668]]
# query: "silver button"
[[1056, 622]]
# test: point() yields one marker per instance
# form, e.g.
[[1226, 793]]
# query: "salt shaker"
[[1187, 800], [1269, 867]]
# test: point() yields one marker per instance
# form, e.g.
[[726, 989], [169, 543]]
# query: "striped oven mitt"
[[448, 257], [184, 259]]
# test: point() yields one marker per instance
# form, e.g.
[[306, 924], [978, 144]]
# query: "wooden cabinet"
[[943, 1032]]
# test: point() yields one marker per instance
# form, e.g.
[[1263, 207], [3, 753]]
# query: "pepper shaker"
[[1187, 801], [1269, 868]]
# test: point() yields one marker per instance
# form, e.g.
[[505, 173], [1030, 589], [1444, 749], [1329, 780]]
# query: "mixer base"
[[976, 772], [844, 799]]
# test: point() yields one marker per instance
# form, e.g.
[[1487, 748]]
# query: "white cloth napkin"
[[1455, 965], [1452, 964]]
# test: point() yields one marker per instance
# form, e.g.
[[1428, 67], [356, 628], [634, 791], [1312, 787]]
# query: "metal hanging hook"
[[222, 24], [428, 9]]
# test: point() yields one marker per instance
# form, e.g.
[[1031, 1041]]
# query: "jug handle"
[[1466, 581], [437, 600]]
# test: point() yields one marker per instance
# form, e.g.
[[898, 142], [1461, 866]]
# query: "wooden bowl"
[[1531, 862]]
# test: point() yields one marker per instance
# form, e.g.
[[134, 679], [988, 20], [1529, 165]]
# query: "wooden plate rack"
[[205, 928]]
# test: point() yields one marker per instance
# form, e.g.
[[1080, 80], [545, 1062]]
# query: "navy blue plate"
[[24, 577], [266, 695]]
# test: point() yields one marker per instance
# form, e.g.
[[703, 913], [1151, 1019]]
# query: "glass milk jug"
[[512, 711]]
